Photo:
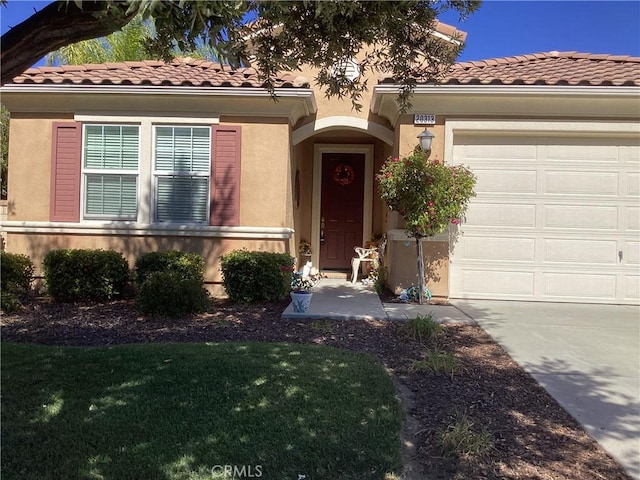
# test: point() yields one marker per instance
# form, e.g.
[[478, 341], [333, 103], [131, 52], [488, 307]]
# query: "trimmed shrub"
[[85, 274], [169, 293], [16, 273], [256, 276], [9, 302], [185, 265]]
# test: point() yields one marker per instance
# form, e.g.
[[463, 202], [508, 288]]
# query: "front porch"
[[339, 299]]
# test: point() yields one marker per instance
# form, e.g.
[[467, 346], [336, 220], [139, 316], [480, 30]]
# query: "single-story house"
[[191, 155]]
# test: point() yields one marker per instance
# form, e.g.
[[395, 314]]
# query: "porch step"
[[337, 274]]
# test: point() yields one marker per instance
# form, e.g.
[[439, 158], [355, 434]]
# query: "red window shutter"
[[65, 172], [225, 176]]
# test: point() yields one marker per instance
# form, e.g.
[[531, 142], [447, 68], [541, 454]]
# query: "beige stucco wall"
[[330, 107], [265, 200], [29, 175], [264, 172], [265, 186], [401, 262]]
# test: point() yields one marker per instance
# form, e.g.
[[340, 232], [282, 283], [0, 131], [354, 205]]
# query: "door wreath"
[[343, 174]]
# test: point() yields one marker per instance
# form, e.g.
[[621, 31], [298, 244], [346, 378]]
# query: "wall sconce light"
[[426, 137]]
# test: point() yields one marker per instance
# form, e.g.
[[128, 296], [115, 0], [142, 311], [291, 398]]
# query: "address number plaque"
[[424, 119]]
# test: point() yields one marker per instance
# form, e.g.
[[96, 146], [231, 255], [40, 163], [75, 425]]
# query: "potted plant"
[[304, 248], [301, 292]]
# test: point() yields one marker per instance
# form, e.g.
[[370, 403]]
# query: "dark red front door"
[[341, 208]]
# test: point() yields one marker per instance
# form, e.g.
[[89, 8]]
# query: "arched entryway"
[[335, 161]]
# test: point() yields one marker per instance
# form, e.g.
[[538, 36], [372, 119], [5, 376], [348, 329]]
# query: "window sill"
[[135, 229]]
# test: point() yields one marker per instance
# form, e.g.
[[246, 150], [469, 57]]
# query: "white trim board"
[[134, 229]]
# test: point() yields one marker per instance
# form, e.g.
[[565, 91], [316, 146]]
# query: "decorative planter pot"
[[301, 301]]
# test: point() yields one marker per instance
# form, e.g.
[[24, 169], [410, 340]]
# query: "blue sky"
[[506, 28]]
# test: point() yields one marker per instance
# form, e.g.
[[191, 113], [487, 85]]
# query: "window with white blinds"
[[111, 156], [182, 165]]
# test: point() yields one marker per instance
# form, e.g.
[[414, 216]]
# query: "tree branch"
[[58, 24]]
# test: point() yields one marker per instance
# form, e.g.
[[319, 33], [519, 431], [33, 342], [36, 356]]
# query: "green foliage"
[[170, 293], [256, 276], [395, 37], [423, 327], [460, 439], [121, 46], [16, 273], [128, 44], [171, 283], [85, 274], [379, 277], [437, 362], [290, 34], [4, 150], [184, 264], [427, 193], [9, 302], [300, 283], [323, 326]]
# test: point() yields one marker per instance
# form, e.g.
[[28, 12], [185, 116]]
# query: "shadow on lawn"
[[179, 411]]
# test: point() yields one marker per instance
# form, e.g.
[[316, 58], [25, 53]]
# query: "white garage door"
[[555, 219]]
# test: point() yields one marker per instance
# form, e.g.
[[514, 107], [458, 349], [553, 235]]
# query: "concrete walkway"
[[341, 300], [586, 356]]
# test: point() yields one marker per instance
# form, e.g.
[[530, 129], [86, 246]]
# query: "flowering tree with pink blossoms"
[[428, 194]]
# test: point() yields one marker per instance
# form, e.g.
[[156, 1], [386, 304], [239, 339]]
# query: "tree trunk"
[[56, 25], [421, 285]]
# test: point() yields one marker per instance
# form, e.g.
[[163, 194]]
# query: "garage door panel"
[[499, 283], [512, 150], [580, 251], [581, 217], [633, 218], [630, 154], [631, 288], [596, 286], [519, 182], [593, 183], [500, 214], [631, 253], [632, 184], [498, 249], [580, 150]]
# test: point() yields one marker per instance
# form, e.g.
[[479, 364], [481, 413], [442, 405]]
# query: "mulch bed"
[[533, 437]]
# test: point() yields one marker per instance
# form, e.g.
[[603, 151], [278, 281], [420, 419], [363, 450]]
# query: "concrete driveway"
[[586, 356]]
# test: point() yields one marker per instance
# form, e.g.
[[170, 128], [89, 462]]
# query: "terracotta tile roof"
[[180, 72], [550, 68]]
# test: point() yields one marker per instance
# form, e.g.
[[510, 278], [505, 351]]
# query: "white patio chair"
[[363, 255]]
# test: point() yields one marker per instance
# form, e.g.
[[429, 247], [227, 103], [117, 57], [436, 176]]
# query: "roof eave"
[[294, 103], [514, 99]]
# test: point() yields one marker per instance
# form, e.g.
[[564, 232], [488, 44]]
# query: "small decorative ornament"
[[343, 174]]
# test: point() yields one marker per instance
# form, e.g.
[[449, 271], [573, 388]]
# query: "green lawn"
[[184, 411]]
